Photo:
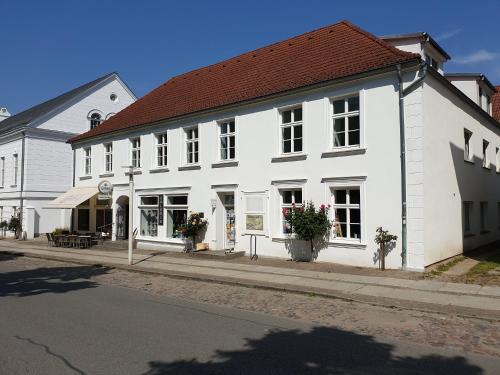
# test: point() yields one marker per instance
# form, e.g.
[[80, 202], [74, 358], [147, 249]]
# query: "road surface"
[[58, 320]]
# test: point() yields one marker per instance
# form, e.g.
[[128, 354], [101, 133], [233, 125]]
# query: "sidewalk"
[[464, 299]]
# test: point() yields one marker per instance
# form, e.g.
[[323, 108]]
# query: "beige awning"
[[73, 197]]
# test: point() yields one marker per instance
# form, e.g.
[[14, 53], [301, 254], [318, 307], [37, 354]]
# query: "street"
[[57, 318]]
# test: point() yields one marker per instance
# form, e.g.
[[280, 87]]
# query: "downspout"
[[21, 200], [402, 140]]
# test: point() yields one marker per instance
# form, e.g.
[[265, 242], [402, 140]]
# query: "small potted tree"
[[383, 238], [308, 223], [15, 226], [195, 224]]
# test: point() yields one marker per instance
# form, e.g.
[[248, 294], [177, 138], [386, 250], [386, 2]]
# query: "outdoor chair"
[[50, 239]]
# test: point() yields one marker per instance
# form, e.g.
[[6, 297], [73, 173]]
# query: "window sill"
[[349, 244], [470, 161], [291, 157], [108, 174], [189, 167], [224, 164], [134, 172], [343, 151], [85, 178], [159, 170]]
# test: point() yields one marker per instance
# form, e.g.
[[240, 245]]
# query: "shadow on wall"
[[48, 280], [300, 251], [376, 254], [320, 351]]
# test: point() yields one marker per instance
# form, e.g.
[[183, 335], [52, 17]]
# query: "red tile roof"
[[332, 52], [495, 104]]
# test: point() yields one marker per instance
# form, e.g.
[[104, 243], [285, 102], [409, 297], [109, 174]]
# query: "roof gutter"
[[403, 92]]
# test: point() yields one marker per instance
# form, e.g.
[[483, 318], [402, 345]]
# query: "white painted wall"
[[449, 180], [257, 143]]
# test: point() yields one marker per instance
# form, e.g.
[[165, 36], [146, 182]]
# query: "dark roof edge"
[[407, 64]]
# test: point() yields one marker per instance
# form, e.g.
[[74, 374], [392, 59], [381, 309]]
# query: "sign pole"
[[130, 214]]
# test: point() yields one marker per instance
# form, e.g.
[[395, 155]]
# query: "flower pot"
[[201, 246]]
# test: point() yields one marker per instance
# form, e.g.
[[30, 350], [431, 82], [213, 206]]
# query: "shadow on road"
[[321, 351], [5, 256], [48, 280]]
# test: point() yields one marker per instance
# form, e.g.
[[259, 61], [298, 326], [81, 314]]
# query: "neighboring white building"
[[315, 117], [36, 162]]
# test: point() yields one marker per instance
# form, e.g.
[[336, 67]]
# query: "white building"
[[313, 118], [36, 162]]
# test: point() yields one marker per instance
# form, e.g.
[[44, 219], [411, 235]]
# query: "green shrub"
[[308, 223]]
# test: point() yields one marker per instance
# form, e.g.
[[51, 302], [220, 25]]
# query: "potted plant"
[[308, 223], [195, 224]]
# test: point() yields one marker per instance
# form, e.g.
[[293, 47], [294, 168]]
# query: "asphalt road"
[[58, 321]]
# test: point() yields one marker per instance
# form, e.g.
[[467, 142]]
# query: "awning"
[[73, 197]]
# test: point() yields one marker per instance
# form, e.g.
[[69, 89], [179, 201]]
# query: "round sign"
[[105, 187]]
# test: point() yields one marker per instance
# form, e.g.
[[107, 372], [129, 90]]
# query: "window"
[[87, 155], [2, 177], [483, 212], [346, 131], [291, 130], [148, 208], [486, 162], [192, 146], [103, 220], [467, 145], [95, 120], [488, 104], [108, 157], [227, 140], [135, 152], [289, 198], [497, 157], [113, 97], [15, 167], [481, 97], [467, 217], [161, 150], [431, 62], [347, 213], [177, 210], [83, 219]]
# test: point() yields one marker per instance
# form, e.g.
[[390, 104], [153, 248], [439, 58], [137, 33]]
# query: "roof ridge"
[[253, 51], [378, 40]]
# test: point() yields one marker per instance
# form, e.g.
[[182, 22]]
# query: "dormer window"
[[95, 120], [432, 62]]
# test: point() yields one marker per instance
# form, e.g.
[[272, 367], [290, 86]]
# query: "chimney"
[[4, 113]]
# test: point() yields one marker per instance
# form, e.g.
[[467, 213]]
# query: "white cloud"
[[476, 57], [448, 35]]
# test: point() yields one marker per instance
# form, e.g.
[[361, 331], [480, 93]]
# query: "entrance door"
[[122, 218], [229, 220]]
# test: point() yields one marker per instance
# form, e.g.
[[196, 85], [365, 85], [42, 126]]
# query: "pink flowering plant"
[[308, 223]]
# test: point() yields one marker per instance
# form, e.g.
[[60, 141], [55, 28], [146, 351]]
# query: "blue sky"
[[49, 47]]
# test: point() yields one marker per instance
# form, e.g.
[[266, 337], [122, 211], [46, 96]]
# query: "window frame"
[[486, 159], [163, 146], [227, 136], [468, 148], [348, 206], [87, 161], [135, 152], [174, 207], [195, 142], [108, 157], [292, 125], [143, 207], [467, 209], [346, 115], [15, 168]]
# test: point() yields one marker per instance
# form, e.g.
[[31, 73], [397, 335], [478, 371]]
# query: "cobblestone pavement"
[[440, 330]]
